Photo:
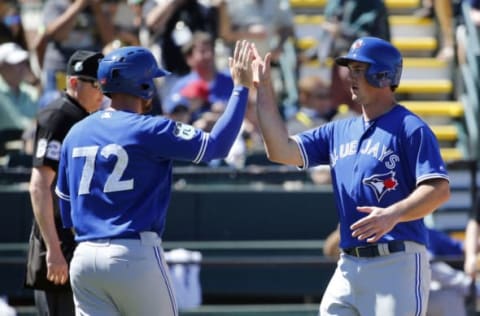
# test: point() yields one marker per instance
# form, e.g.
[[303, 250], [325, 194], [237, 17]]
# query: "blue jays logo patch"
[[381, 183], [184, 131], [356, 45]]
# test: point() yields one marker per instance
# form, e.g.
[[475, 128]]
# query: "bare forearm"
[[62, 26], [423, 201], [104, 24], [158, 17], [43, 211], [471, 239], [42, 204], [279, 147]]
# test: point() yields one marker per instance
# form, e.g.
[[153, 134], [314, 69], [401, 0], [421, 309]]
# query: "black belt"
[[376, 250], [131, 235]]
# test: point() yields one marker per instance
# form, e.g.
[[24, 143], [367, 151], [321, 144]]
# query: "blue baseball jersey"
[[376, 164], [115, 170]]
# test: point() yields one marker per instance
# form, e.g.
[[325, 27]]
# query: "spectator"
[[426, 9], [461, 32], [72, 25], [200, 55], [197, 95], [190, 103], [17, 97], [269, 24], [171, 25], [178, 109], [445, 17], [11, 25], [315, 105], [447, 14], [346, 20]]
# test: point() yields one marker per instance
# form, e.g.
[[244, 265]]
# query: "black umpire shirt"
[[53, 123]]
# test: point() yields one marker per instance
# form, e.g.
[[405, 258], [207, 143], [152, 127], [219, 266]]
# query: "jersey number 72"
[[113, 183]]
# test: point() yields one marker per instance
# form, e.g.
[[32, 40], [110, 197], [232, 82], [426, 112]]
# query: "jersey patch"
[[381, 183], [50, 150], [41, 148], [184, 131]]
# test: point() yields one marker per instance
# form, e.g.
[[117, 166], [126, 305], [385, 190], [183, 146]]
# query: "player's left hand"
[[377, 223], [240, 64]]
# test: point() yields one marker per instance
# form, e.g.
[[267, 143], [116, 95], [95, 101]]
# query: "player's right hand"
[[261, 68]]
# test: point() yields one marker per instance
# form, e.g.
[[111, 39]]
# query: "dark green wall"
[[212, 213]]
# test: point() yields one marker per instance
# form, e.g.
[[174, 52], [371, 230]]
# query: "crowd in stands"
[[192, 39]]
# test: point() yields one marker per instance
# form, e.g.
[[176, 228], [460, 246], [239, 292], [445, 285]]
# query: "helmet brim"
[[161, 73], [345, 60]]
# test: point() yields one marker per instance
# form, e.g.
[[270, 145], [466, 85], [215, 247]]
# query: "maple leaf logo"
[[381, 183]]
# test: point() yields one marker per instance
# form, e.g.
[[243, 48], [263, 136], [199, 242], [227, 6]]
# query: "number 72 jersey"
[[115, 172]]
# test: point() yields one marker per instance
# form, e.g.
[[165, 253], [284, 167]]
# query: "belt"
[[376, 250], [130, 235]]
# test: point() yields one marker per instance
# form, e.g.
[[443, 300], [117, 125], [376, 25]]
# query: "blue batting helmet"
[[129, 70], [384, 59]]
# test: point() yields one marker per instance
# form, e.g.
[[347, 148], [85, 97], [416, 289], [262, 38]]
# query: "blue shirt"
[[115, 173], [376, 164], [218, 89]]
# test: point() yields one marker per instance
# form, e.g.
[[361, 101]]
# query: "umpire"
[[51, 246]]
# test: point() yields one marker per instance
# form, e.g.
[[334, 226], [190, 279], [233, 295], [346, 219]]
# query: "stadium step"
[[415, 68], [391, 4], [450, 109], [451, 154], [431, 89], [445, 133], [408, 45], [401, 25]]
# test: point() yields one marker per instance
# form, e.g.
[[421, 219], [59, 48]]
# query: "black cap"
[[84, 63]]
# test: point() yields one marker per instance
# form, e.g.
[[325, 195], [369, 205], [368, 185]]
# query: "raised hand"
[[240, 64], [261, 68]]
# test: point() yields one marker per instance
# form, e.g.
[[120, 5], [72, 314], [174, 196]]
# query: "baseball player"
[[387, 174], [114, 183]]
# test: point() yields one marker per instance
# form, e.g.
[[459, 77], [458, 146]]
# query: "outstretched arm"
[[279, 146], [226, 129]]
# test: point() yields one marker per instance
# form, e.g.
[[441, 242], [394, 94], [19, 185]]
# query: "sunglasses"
[[94, 83]]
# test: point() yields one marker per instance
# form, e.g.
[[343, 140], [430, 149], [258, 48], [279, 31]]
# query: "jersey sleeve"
[[184, 142], [63, 192], [46, 147], [424, 156], [314, 146]]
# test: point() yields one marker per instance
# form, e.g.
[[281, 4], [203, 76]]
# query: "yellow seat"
[[415, 43], [404, 44], [453, 109], [391, 4], [434, 86], [451, 154], [445, 132], [316, 19]]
